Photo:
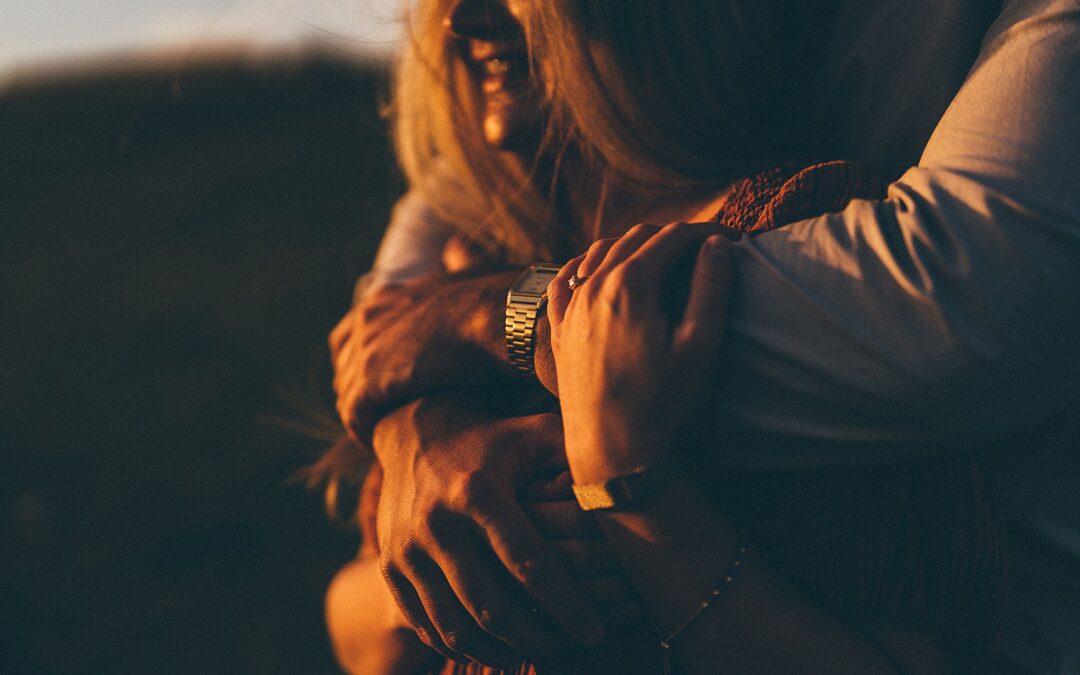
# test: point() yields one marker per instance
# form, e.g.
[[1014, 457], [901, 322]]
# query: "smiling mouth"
[[500, 63], [506, 66]]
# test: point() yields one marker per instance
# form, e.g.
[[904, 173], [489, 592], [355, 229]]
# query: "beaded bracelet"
[[709, 601]]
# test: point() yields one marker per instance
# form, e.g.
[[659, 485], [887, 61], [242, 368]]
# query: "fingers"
[[596, 254], [355, 411], [339, 335], [543, 434], [622, 248], [655, 246], [661, 251], [562, 520], [456, 628], [558, 290], [409, 603], [529, 559], [495, 607], [551, 488], [355, 414], [703, 321], [601, 256], [343, 356]]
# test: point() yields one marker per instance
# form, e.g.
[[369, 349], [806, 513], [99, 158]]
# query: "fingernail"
[[594, 634]]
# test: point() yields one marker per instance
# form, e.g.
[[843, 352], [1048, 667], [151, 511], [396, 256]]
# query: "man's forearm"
[[485, 327]]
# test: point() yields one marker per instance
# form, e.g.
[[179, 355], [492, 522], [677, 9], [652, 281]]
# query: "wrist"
[[662, 543], [543, 358], [626, 484], [399, 435], [485, 325], [611, 452]]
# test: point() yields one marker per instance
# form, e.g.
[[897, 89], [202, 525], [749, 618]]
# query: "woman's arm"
[[631, 377], [676, 549]]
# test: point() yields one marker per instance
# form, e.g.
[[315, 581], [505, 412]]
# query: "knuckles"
[[642, 230], [369, 312], [630, 273], [597, 247], [472, 492], [338, 335], [615, 287], [410, 554], [439, 526]]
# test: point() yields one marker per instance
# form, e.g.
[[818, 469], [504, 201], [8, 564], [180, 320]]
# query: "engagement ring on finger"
[[575, 281]]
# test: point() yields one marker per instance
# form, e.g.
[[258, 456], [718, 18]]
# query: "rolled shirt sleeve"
[[950, 309]]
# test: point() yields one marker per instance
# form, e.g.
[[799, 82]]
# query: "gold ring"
[[575, 281]]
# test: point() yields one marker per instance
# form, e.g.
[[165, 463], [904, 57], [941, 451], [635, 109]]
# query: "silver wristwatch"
[[524, 302]]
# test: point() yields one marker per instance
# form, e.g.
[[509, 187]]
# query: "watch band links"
[[520, 334]]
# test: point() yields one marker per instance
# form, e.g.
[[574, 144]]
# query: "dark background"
[[176, 240]]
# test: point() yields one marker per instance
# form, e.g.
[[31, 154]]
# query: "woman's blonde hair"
[[492, 196], [659, 97], [654, 97]]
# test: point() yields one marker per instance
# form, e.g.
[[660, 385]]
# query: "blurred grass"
[[176, 240]]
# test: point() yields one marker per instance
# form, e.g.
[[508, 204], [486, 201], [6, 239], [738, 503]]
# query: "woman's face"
[[493, 44]]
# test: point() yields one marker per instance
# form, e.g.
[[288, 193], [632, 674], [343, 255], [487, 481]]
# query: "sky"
[[37, 32]]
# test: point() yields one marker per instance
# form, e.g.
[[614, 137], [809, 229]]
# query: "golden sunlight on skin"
[[494, 45]]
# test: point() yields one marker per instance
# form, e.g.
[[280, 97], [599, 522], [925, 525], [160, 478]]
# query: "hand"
[[464, 561], [580, 545], [405, 340], [631, 360]]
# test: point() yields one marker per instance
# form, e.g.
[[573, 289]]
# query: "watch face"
[[535, 282]]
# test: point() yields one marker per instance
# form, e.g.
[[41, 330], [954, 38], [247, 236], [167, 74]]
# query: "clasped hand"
[[637, 342], [480, 571], [403, 341], [486, 561]]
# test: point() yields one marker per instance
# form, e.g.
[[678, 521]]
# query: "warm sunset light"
[[539, 337]]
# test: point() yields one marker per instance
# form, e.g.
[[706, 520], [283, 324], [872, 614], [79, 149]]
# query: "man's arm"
[[946, 310], [949, 308]]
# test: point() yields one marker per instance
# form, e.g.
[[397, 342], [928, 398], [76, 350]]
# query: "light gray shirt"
[[950, 309]]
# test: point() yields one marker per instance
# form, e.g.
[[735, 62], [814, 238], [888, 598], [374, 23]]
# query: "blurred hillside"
[[176, 240]]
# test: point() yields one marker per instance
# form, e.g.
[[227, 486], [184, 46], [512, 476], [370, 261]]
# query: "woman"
[[881, 569]]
